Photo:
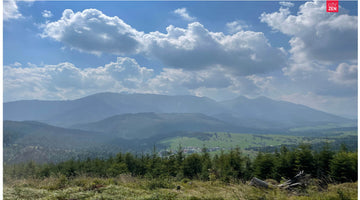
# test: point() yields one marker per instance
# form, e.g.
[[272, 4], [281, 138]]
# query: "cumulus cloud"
[[192, 48], [286, 4], [236, 26], [323, 55], [64, 81], [94, 32], [46, 13], [318, 38], [171, 81], [183, 13], [215, 83], [345, 74], [329, 83], [10, 10]]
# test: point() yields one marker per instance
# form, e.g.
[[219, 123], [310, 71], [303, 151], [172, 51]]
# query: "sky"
[[290, 51]]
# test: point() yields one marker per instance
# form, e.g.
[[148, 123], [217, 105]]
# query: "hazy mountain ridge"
[[145, 125], [259, 113], [274, 113]]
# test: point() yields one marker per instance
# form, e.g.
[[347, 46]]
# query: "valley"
[[104, 124]]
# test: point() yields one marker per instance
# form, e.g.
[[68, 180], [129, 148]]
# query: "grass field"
[[233, 140], [130, 188], [250, 144]]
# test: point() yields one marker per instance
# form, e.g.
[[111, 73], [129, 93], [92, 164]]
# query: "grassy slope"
[[232, 140], [129, 188]]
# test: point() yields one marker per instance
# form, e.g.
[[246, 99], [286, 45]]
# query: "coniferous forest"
[[177, 171]]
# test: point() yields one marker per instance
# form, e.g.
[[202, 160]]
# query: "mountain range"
[[106, 123], [258, 113]]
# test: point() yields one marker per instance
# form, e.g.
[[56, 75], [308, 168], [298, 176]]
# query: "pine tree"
[[264, 165], [323, 159], [206, 164], [192, 166], [344, 166], [304, 159]]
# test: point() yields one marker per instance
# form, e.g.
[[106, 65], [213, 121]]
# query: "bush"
[[60, 183], [159, 183], [344, 167]]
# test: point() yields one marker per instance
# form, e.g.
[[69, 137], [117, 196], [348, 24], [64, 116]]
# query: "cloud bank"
[[318, 38], [193, 48], [66, 81], [323, 53]]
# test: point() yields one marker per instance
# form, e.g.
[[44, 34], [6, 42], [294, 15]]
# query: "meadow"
[[131, 188], [252, 143]]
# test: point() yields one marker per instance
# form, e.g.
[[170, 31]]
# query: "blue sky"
[[283, 50]]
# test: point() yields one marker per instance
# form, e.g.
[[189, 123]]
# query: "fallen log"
[[259, 183], [297, 181]]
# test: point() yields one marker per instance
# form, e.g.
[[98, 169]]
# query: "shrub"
[[159, 183], [344, 167]]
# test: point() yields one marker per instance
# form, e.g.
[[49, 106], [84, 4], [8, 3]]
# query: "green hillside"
[[220, 140]]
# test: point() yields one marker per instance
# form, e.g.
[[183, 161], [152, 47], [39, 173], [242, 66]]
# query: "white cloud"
[[16, 64], [286, 4], [172, 80], [345, 74], [236, 26], [66, 81], [29, 64], [341, 82], [322, 69], [10, 10], [92, 31], [346, 107], [182, 12], [46, 14], [193, 48], [215, 83], [318, 38]]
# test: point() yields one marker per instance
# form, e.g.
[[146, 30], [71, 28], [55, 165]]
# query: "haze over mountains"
[[146, 125], [106, 123], [259, 113]]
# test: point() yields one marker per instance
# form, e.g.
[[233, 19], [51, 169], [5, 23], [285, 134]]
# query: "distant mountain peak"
[[251, 112]]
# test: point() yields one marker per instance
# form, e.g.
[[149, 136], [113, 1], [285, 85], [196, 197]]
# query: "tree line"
[[230, 166]]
